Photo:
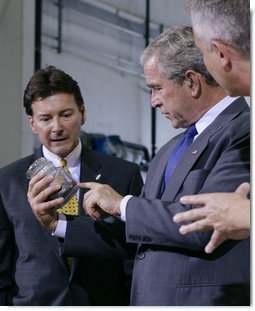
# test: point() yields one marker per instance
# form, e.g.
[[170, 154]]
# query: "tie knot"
[[63, 163], [192, 131]]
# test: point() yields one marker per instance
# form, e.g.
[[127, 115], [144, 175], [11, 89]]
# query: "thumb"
[[244, 189]]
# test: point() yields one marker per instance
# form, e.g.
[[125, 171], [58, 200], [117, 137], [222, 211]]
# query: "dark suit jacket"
[[173, 269], [32, 272]]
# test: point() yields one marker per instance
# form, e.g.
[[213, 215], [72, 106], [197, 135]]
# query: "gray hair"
[[176, 52], [225, 20]]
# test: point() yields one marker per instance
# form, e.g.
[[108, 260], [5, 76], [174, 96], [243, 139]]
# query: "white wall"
[[16, 42]]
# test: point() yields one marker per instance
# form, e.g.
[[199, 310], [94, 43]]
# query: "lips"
[[56, 140]]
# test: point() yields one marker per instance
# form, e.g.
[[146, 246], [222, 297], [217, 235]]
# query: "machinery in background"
[[113, 145]]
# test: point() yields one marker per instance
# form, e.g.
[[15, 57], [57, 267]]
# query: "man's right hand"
[[228, 214], [38, 192]]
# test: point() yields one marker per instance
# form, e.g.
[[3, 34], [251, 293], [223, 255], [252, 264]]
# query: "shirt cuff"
[[123, 206], [60, 231]]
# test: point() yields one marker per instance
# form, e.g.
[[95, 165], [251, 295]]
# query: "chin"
[[176, 126]]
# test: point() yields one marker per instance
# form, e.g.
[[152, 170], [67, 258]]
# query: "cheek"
[[41, 131], [170, 102], [76, 123], [32, 125], [210, 64], [206, 62], [35, 128], [74, 127], [166, 99]]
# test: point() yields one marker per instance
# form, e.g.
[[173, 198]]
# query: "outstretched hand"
[[228, 214], [100, 198]]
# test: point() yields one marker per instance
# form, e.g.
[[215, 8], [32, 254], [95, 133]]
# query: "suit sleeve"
[[104, 238], [223, 167]]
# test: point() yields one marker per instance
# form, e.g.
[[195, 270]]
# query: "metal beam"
[[38, 34], [153, 110], [59, 5]]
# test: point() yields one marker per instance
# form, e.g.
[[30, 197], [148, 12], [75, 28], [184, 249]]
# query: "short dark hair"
[[47, 82]]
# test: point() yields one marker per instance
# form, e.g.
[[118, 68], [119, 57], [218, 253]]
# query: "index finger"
[[89, 185], [197, 199], [39, 177], [191, 215]]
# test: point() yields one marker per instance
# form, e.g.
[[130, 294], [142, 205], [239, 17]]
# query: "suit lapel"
[[199, 145], [91, 170], [157, 172]]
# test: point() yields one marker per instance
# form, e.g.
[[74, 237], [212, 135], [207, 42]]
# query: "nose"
[[155, 100], [56, 125]]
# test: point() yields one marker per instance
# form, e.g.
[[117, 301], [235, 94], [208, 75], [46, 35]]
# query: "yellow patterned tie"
[[70, 208]]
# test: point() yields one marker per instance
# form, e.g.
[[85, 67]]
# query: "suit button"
[[140, 255]]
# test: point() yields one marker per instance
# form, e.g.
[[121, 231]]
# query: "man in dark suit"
[[172, 269], [32, 271], [227, 57]]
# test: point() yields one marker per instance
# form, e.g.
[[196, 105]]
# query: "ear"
[[83, 113], [31, 123], [192, 81], [223, 52]]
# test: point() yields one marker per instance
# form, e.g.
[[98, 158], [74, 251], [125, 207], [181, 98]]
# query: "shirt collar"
[[213, 113], [72, 158]]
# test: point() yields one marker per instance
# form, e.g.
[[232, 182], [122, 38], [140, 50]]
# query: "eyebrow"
[[153, 85], [49, 114]]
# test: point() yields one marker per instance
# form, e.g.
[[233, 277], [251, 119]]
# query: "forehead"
[[60, 101], [59, 98], [152, 72]]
